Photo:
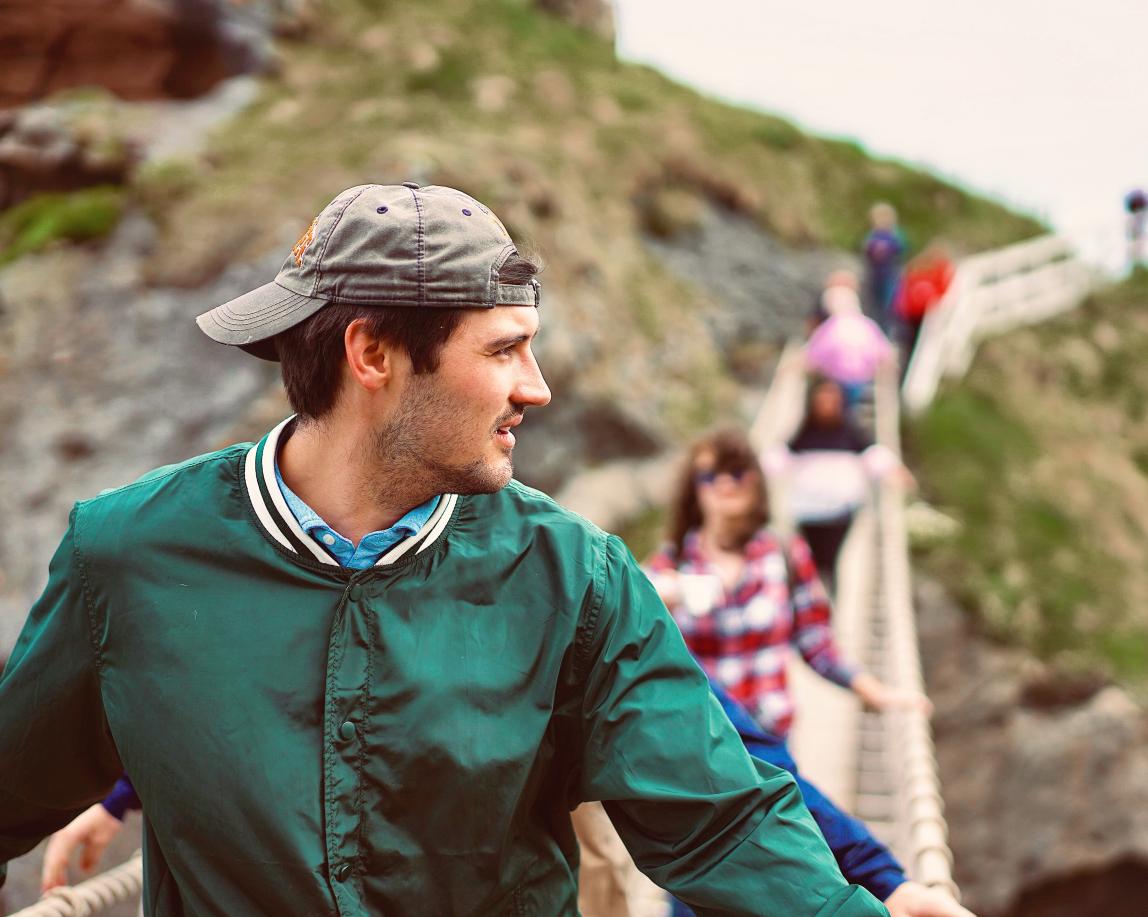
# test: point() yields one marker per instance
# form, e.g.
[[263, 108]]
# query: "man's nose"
[[532, 388]]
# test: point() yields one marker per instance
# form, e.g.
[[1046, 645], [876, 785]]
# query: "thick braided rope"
[[88, 898]]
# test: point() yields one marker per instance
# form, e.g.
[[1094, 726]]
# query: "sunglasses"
[[710, 475]]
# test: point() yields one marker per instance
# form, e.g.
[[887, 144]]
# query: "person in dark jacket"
[[884, 249], [829, 465]]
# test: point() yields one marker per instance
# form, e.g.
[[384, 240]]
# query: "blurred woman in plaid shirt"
[[742, 595]]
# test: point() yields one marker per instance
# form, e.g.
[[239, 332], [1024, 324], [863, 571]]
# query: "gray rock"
[[1047, 805], [78, 333], [42, 150], [766, 289]]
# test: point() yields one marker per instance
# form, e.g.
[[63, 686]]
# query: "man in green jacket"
[[355, 668]]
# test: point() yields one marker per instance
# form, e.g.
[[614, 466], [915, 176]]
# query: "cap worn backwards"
[[379, 245]]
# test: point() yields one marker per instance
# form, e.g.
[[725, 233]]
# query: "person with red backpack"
[[926, 280]]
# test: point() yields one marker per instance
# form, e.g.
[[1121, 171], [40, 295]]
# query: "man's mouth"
[[503, 433]]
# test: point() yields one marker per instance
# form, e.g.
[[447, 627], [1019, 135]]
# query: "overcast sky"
[[1044, 104]]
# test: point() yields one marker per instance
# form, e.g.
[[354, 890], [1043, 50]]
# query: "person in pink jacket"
[[847, 347]]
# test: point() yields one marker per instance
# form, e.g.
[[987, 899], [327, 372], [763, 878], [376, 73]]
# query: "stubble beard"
[[405, 450]]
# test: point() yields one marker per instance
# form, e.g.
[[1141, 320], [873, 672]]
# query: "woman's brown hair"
[[732, 451]]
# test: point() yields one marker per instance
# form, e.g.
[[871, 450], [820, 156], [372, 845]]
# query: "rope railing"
[[918, 804], [116, 886]]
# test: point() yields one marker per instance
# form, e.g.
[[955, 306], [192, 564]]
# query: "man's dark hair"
[[311, 354]]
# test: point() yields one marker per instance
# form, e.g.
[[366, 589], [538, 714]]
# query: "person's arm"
[[91, 832], [813, 637], [721, 832], [913, 900], [863, 859], [122, 798], [812, 633], [876, 695], [58, 755]]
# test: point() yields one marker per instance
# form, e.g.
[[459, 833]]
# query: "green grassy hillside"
[[1041, 453], [542, 121]]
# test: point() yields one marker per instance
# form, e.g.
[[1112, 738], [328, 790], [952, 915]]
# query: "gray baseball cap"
[[379, 245]]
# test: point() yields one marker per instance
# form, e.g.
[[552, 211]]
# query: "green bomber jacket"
[[409, 739]]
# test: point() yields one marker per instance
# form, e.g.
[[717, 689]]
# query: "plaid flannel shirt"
[[743, 641]]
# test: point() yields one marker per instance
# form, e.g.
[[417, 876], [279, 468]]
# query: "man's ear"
[[371, 360]]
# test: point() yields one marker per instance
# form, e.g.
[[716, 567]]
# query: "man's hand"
[[91, 831], [913, 900]]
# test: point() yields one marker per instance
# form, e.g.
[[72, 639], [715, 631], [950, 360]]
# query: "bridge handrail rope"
[[919, 806], [991, 292], [123, 883]]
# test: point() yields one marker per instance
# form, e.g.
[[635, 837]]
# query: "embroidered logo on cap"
[[304, 240]]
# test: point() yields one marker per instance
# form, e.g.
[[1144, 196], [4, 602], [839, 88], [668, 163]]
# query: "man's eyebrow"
[[509, 341]]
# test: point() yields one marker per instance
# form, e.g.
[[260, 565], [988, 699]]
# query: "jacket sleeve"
[[57, 756], [122, 798], [863, 859], [722, 832]]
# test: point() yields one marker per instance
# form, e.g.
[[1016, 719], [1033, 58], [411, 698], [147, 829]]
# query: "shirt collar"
[[275, 516]]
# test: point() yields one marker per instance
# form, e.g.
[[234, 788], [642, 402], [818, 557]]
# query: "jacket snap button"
[[356, 593], [347, 730], [342, 871]]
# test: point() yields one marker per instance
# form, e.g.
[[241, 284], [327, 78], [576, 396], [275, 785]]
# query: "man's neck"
[[336, 472]]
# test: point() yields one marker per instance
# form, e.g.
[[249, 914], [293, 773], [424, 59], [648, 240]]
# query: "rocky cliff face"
[[1045, 778], [131, 49], [138, 49]]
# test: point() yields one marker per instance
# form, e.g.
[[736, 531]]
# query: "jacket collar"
[[276, 517]]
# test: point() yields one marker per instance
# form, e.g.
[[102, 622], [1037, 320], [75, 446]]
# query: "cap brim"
[[251, 320]]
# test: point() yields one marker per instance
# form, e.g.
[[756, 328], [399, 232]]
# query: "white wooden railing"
[[991, 292]]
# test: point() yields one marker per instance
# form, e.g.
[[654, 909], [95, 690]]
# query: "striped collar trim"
[[276, 517]]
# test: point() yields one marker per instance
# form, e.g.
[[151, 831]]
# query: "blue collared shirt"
[[373, 546]]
